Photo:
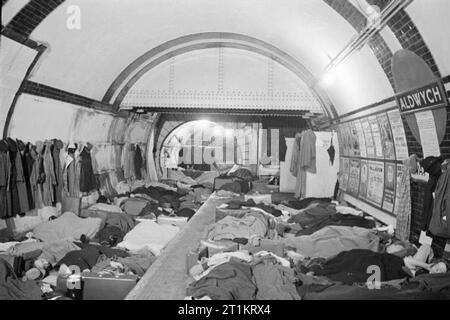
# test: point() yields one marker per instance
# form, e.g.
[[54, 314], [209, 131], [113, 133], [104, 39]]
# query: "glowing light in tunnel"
[[327, 80]]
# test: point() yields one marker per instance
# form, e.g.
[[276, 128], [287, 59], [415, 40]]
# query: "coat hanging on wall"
[[331, 151]]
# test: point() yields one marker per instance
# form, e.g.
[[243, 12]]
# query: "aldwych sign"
[[429, 96]]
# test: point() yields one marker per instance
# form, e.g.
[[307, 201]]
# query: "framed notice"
[[346, 139], [370, 145], [346, 173], [341, 174], [340, 139], [376, 134], [361, 139], [354, 140], [398, 133], [387, 139], [399, 174], [364, 179], [428, 134], [375, 185], [389, 186], [354, 175]]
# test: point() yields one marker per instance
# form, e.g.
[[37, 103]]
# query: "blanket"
[[67, 226]]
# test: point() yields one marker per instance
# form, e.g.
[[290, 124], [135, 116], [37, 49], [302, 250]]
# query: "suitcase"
[[97, 286]]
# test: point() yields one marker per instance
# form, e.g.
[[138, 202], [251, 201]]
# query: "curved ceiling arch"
[[162, 53]]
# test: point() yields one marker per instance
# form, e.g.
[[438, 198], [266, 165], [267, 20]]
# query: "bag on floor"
[[107, 287]]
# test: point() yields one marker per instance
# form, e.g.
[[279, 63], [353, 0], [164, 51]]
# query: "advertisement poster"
[[376, 137], [397, 188], [340, 139], [389, 186], [398, 132], [364, 178], [428, 134], [370, 146], [341, 174], [387, 139], [353, 179], [354, 139], [346, 173], [375, 185], [362, 140], [346, 139]]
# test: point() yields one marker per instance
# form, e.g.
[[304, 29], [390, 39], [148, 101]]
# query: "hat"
[[71, 146]]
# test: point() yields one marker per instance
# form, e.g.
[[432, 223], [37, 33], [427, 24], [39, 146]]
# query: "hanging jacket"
[[87, 177], [57, 146], [19, 196], [295, 155], [5, 167], [440, 220], [27, 162], [71, 174], [37, 176], [50, 177], [307, 155], [138, 162]]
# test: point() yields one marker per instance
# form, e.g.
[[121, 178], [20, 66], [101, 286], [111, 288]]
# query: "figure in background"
[[303, 160]]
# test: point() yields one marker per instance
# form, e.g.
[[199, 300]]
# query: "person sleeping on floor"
[[356, 266]]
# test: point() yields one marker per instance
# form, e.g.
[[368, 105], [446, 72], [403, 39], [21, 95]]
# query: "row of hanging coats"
[[37, 175]]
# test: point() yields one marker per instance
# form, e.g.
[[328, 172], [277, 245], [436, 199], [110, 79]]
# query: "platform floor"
[[167, 278]]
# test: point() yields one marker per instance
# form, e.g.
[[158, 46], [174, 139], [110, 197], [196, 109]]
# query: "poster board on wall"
[[376, 134], [380, 141], [362, 194], [375, 185], [389, 186], [345, 173], [362, 140], [387, 139], [399, 136], [370, 145], [354, 177]]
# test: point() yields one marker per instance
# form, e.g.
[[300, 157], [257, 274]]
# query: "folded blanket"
[[149, 234], [67, 226]]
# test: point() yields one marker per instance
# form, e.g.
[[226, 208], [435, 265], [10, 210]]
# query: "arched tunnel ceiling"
[[222, 78], [114, 33]]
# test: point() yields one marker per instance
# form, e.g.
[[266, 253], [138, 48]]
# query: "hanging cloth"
[[331, 151], [403, 202]]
